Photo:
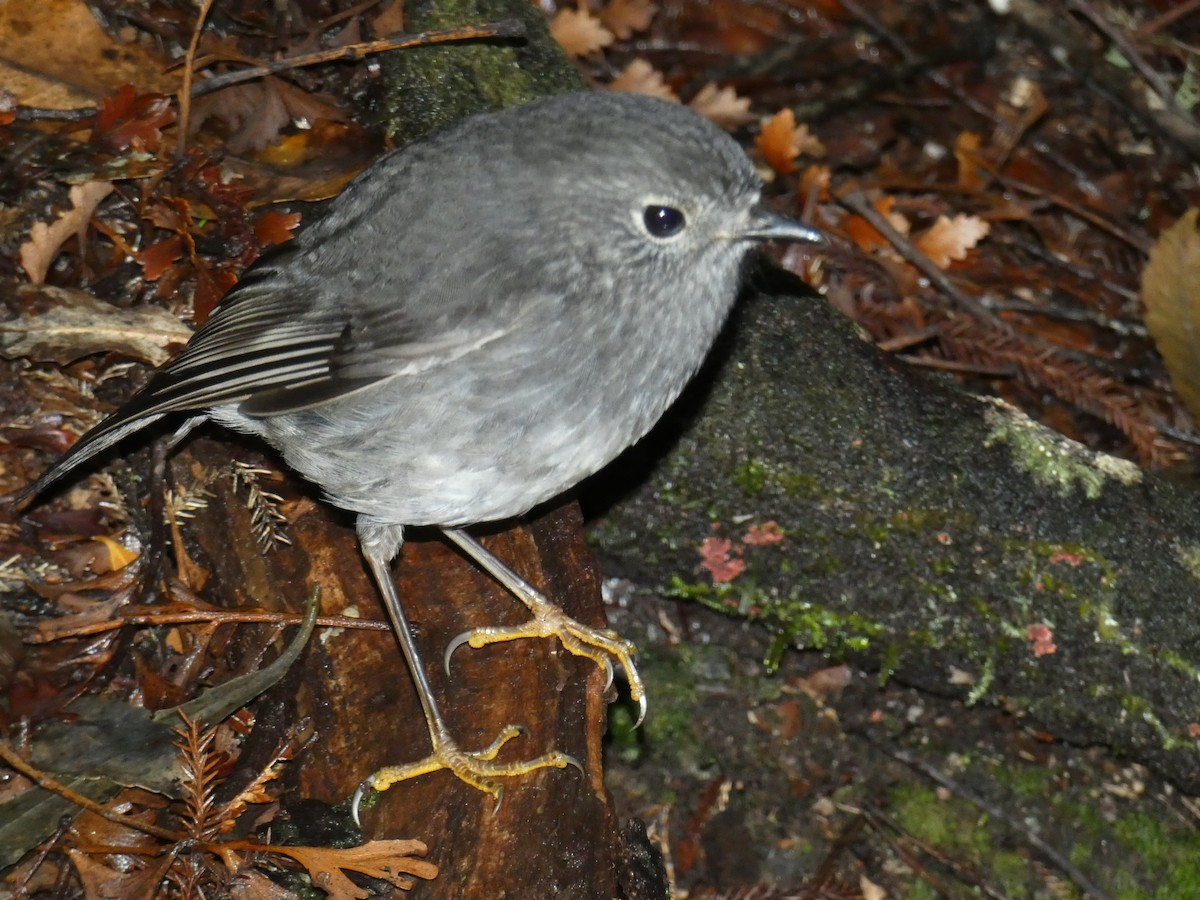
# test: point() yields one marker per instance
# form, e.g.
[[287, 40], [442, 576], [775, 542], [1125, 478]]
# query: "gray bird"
[[480, 321]]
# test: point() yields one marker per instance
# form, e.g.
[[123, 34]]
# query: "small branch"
[[1122, 43], [504, 29], [189, 71], [42, 780], [856, 201], [149, 615], [1049, 853]]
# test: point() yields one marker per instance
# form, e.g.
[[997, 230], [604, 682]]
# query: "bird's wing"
[[270, 349]]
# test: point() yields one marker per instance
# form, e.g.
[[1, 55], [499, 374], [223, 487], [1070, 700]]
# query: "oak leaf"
[[951, 239], [722, 105], [391, 861], [624, 17], [45, 241], [579, 32], [639, 77], [781, 141]]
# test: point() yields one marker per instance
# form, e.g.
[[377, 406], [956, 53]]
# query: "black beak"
[[767, 225]]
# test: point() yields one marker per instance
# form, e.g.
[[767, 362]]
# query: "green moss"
[[750, 477], [1172, 858], [430, 87], [795, 623], [1189, 557], [958, 830], [1052, 460], [1143, 709]]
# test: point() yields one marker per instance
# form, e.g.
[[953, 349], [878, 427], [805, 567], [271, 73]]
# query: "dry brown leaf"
[[1171, 293], [640, 77], [44, 242], [866, 237], [61, 325], [624, 17], [950, 239], [258, 111], [250, 884], [870, 890], [103, 883], [781, 141], [579, 32], [390, 21], [118, 557], [722, 105], [971, 171], [54, 54], [886, 207], [391, 861]]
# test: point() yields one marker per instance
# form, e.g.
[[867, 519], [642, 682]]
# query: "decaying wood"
[[554, 833], [958, 545]]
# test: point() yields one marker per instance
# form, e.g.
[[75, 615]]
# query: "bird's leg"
[[476, 768], [601, 645]]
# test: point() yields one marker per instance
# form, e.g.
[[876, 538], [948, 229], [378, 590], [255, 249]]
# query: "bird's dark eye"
[[663, 221]]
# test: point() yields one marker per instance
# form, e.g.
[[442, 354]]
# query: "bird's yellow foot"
[[601, 645], [477, 768]]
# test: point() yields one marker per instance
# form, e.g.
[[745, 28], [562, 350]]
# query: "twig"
[[503, 29], [1169, 17], [856, 201], [1053, 856], [900, 842], [189, 71], [1122, 43], [1139, 242], [42, 780], [150, 615]]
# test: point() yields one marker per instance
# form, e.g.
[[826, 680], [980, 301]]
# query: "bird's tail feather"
[[117, 426]]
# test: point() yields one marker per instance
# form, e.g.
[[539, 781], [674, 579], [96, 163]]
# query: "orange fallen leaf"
[[391, 861], [866, 236], [579, 32], [274, 227], [781, 141], [640, 77], [624, 17], [119, 557], [951, 239], [1042, 638], [764, 534], [722, 105]]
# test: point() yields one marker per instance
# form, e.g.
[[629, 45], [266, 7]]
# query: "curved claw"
[[641, 711], [572, 761], [464, 638], [356, 801]]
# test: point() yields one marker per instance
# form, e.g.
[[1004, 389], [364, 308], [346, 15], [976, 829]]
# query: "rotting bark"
[[929, 534], [555, 833]]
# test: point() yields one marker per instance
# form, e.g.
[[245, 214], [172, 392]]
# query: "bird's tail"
[[117, 426]]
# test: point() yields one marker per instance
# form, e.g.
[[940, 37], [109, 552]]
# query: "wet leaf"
[[1171, 292]]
